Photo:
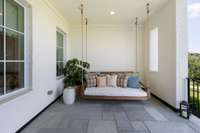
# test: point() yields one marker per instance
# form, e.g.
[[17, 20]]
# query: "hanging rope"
[[82, 34], [86, 31], [82, 40], [136, 42]]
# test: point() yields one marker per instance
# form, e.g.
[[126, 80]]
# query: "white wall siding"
[[163, 82], [17, 112], [169, 82], [110, 47]]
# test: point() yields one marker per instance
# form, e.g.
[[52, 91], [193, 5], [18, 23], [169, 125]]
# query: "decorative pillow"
[[122, 80], [101, 81], [111, 80], [91, 80], [133, 82]]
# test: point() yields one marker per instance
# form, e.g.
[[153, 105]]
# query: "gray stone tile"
[[139, 126], [85, 116], [138, 114], [30, 130], [121, 116], [155, 114], [165, 111], [78, 125], [89, 104], [107, 115], [193, 126], [169, 127], [133, 132], [124, 125], [132, 104], [60, 130], [41, 120], [169, 114], [113, 107], [102, 127], [84, 113], [54, 122], [64, 123]]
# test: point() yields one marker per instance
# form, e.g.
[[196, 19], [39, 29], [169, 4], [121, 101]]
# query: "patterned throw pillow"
[[122, 80], [111, 80], [91, 80], [101, 81]]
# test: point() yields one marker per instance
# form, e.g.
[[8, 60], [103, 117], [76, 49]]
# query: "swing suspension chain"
[[136, 42], [84, 21]]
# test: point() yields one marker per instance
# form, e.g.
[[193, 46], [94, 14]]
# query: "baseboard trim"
[[165, 103], [25, 125]]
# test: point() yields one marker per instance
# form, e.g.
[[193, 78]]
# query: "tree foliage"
[[194, 65]]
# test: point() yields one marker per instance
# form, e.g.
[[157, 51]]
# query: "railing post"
[[194, 96], [198, 98], [188, 90]]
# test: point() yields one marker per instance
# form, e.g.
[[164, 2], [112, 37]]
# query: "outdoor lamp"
[[184, 110]]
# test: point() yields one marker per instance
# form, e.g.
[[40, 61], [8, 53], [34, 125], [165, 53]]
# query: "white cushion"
[[111, 80], [118, 91]]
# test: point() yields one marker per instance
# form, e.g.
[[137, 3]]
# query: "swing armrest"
[[83, 87], [147, 89]]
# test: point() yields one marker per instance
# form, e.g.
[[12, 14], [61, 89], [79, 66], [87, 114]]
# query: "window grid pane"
[[1, 12], [14, 76], [60, 66], [60, 54], [1, 78], [14, 46], [14, 16], [12, 66], [1, 44], [60, 39]]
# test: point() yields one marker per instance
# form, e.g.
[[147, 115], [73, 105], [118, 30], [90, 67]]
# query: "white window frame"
[[64, 49], [27, 52], [153, 49]]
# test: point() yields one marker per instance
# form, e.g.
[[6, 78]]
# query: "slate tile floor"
[[110, 117]]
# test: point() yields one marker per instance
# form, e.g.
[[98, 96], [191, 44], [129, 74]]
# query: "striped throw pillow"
[[122, 80], [91, 80]]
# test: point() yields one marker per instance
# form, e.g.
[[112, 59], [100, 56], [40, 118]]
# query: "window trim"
[[155, 57], [27, 52], [64, 49]]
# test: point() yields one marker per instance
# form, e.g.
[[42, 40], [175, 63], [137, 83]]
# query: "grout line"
[[127, 117], [146, 126], [87, 126]]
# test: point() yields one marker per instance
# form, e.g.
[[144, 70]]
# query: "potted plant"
[[73, 72]]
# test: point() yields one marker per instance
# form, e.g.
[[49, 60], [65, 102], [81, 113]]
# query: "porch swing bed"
[[107, 92], [115, 93]]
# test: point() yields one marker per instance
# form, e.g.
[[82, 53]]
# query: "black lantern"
[[184, 110]]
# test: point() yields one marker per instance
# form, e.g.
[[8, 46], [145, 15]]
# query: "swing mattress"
[[115, 91]]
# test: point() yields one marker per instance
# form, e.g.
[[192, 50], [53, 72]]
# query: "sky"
[[194, 25]]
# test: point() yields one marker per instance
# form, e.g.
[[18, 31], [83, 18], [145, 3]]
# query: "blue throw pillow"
[[133, 82]]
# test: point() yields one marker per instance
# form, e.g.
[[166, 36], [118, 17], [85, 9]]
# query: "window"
[[13, 63], [153, 53], [60, 52]]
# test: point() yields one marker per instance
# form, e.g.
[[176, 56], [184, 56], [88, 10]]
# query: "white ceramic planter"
[[69, 95]]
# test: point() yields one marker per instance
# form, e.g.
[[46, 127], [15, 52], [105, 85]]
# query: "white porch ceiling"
[[98, 11]]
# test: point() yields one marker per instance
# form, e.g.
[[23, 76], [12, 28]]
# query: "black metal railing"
[[194, 96]]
